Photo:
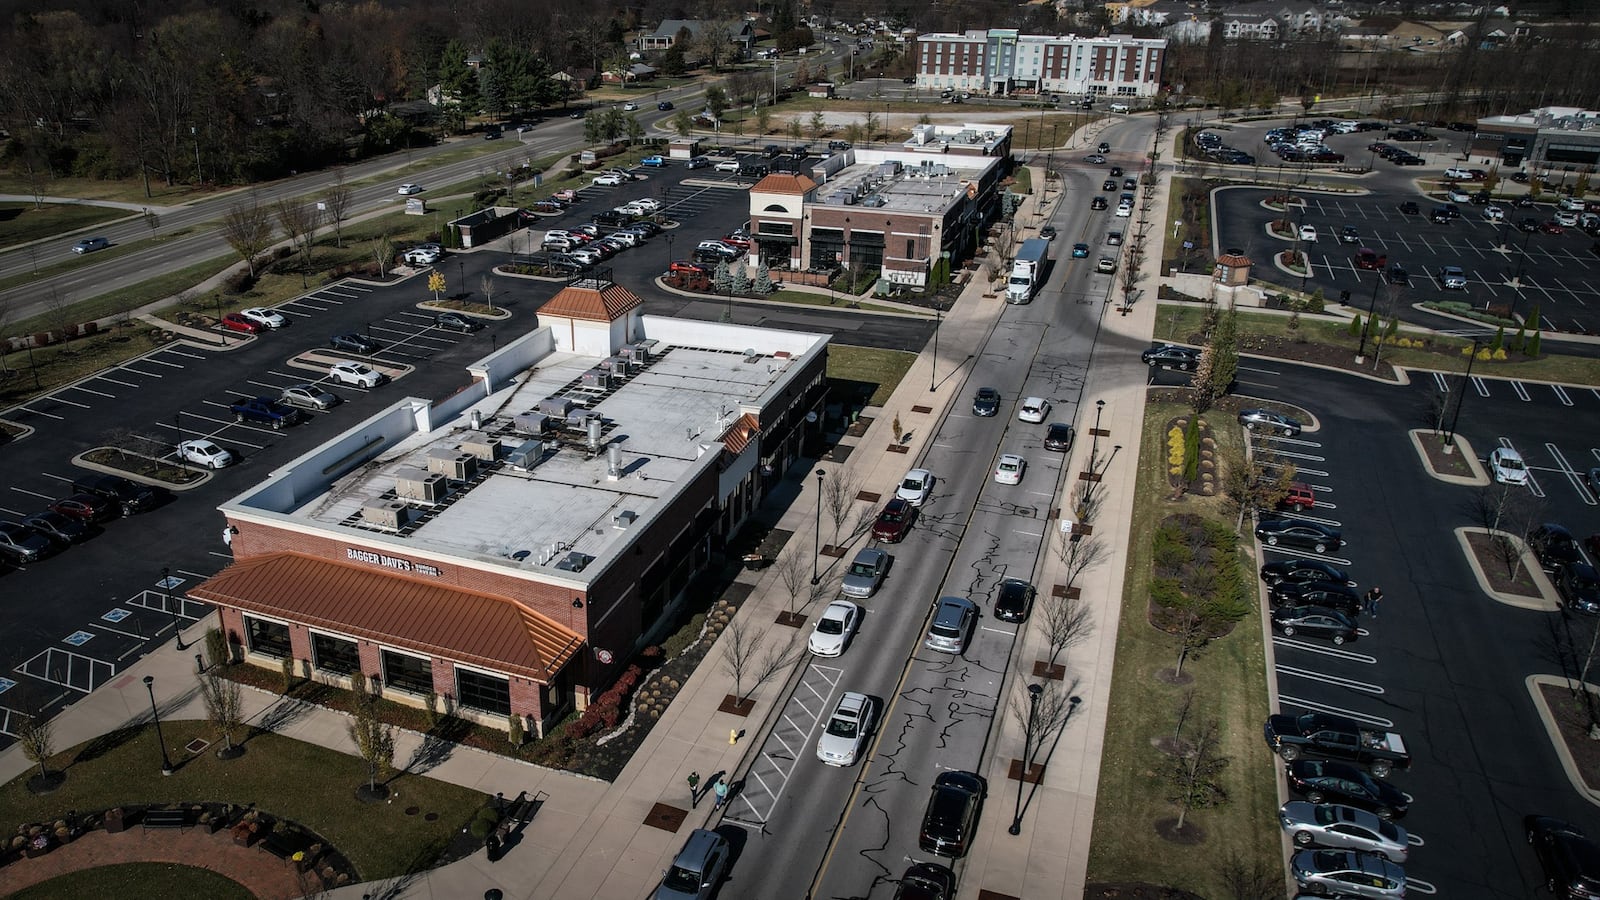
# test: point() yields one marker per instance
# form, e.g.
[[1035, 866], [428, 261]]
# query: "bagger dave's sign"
[[391, 562]]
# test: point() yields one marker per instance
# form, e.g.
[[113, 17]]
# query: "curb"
[[1479, 479], [79, 461], [1545, 603], [1553, 731]]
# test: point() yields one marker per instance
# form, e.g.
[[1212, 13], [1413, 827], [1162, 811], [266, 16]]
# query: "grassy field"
[[1229, 680], [869, 365], [137, 881], [307, 783], [1178, 321], [128, 191], [23, 222]]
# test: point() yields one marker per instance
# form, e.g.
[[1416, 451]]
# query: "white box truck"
[[1027, 272]]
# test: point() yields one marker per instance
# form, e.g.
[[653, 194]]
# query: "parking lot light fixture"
[[1034, 690], [155, 714], [1450, 435], [816, 540], [1372, 308]]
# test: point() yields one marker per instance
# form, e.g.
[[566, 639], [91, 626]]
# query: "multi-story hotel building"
[[1002, 62]]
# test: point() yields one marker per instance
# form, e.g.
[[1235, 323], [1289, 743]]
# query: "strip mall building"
[[505, 551]]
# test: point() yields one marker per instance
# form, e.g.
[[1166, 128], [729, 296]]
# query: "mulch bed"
[[1442, 463], [1302, 350], [1494, 569], [1573, 722]]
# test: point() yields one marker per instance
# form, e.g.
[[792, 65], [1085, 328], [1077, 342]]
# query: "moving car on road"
[[951, 818], [834, 627], [1014, 600], [1009, 469], [1033, 409], [986, 402], [895, 520], [848, 728], [1171, 356]]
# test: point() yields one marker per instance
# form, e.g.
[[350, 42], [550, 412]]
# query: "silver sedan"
[[1343, 828], [865, 574]]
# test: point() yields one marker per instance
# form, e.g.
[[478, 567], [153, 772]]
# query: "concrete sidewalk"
[[590, 840]]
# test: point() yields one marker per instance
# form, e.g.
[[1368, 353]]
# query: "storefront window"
[[488, 693], [408, 673], [267, 638], [337, 655]]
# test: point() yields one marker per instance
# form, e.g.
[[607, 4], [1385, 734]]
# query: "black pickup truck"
[[1335, 737], [264, 410]]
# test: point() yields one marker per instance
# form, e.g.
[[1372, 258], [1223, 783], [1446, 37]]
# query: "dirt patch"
[[1187, 834], [1493, 564], [1442, 463], [1572, 720]]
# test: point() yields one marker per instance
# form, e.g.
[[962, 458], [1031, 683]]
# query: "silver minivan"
[[953, 620]]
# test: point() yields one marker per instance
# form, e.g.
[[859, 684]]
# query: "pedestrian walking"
[[228, 531], [1369, 603], [694, 792], [721, 790]]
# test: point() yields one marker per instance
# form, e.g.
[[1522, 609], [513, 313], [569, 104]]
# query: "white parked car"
[[205, 453], [408, 189], [1494, 214], [628, 238], [610, 179], [1009, 469], [852, 722], [1507, 467], [355, 374], [834, 628], [266, 318], [630, 107], [916, 486], [646, 204], [1033, 409], [727, 165], [1308, 233], [1567, 219], [421, 256]]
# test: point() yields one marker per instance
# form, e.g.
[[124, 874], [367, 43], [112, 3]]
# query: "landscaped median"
[[1187, 743]]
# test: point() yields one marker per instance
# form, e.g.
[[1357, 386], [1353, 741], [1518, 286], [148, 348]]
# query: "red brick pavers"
[[261, 873]]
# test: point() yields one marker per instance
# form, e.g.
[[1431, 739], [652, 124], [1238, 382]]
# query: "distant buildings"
[[1555, 139], [1002, 62]]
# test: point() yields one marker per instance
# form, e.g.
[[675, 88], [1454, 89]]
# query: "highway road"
[[854, 830]]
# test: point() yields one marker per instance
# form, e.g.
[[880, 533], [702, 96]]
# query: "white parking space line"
[[68, 669], [1302, 517], [114, 381], [294, 312], [1418, 886], [1481, 386], [25, 409], [1441, 383], [162, 362], [1365, 687], [1307, 554], [60, 399], [176, 352], [33, 493], [142, 372], [79, 387], [1286, 700], [1572, 474], [1299, 470], [1521, 390]]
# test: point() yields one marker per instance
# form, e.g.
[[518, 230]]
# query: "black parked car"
[[20, 544], [1397, 275], [1316, 593], [1579, 587], [129, 496], [1553, 545], [1058, 437], [1409, 208], [1297, 533], [1330, 781], [951, 819], [1267, 420], [986, 403], [1171, 356], [353, 343], [926, 881], [1303, 571], [456, 322], [62, 529], [1314, 621], [1014, 601], [1571, 862]]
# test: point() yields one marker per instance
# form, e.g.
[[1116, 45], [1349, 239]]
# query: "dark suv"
[[986, 402], [129, 497], [1571, 862], [952, 815]]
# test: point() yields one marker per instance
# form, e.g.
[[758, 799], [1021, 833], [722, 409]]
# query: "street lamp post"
[[669, 252], [1034, 690], [933, 362], [1094, 435], [1372, 309], [150, 685], [166, 588], [816, 537], [1450, 435]]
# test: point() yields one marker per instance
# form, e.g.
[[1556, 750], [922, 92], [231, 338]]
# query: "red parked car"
[[689, 268], [236, 322], [742, 241], [1367, 258], [85, 508], [894, 521], [1551, 226]]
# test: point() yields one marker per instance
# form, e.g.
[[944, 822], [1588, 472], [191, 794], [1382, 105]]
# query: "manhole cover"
[[412, 810], [196, 745], [431, 817]]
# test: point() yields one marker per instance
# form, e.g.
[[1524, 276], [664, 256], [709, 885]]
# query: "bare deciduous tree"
[[38, 742], [1039, 727], [1252, 879], [247, 227], [1195, 775], [299, 223], [373, 738], [1067, 621], [839, 488], [382, 246], [486, 284], [1253, 482], [740, 649], [1079, 552], [1506, 515], [224, 705], [337, 202]]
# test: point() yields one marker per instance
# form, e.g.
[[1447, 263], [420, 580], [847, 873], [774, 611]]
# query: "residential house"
[[742, 33]]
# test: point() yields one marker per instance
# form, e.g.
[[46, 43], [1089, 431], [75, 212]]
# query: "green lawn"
[[137, 881], [307, 783], [1230, 685], [1178, 321], [870, 365], [23, 222], [131, 190]]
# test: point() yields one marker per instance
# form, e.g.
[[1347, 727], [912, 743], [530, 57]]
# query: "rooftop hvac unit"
[[454, 463], [482, 446], [599, 379], [531, 422], [624, 519], [575, 562], [395, 515], [578, 420], [526, 456], [616, 365], [842, 198], [555, 406], [889, 168], [425, 487], [614, 462], [592, 434]]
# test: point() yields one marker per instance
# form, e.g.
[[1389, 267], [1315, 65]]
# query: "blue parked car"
[[654, 162]]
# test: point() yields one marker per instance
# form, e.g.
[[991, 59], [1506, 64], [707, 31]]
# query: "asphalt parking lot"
[[1558, 273], [1441, 664]]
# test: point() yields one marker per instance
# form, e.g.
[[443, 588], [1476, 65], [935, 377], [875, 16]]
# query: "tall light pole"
[[1372, 309], [933, 362], [1034, 690], [150, 685], [1094, 447], [1450, 435], [816, 537]]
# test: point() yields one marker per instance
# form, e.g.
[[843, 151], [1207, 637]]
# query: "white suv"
[[356, 374]]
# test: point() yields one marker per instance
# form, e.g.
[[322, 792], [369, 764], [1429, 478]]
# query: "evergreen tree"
[[763, 280], [1499, 341]]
